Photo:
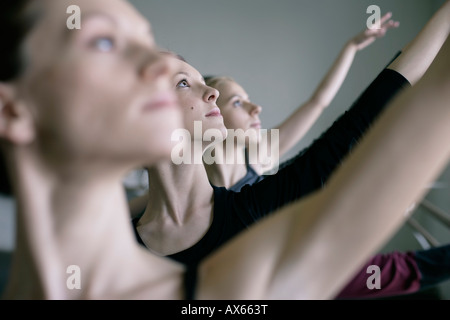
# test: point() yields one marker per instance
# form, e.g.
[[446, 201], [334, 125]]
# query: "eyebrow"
[[183, 73], [237, 96], [89, 16], [92, 15], [189, 76], [114, 21]]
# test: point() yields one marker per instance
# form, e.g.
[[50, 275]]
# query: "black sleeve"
[[313, 166], [434, 266], [190, 281]]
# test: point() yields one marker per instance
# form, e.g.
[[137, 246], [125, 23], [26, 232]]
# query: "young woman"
[[189, 225], [363, 213], [239, 113], [317, 248], [180, 224], [292, 130], [68, 102], [65, 137], [401, 272]]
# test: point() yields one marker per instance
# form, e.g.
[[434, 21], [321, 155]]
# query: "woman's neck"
[[228, 166], [72, 234], [176, 190], [180, 207]]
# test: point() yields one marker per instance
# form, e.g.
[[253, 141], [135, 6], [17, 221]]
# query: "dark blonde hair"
[[212, 81]]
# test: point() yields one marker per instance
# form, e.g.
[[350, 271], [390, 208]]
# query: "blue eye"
[[183, 84], [104, 44], [237, 103]]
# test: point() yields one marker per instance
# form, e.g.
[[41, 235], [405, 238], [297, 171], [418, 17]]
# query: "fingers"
[[371, 34], [384, 28], [385, 18], [387, 23], [391, 24]]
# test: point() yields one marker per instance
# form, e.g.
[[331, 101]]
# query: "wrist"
[[351, 46], [350, 49]]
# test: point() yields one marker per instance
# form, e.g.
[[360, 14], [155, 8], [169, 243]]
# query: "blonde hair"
[[212, 81]]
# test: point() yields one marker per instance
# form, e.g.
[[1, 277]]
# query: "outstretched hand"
[[368, 36]]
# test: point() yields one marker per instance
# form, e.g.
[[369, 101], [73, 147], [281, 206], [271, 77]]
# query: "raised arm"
[[313, 255], [298, 123], [418, 55]]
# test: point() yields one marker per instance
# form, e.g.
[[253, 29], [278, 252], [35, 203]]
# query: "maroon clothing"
[[399, 275]]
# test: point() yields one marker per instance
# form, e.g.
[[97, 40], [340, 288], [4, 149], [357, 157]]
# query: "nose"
[[255, 109], [211, 95], [155, 65]]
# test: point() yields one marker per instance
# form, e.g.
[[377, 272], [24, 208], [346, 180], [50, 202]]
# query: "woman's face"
[[197, 100], [102, 92], [237, 109]]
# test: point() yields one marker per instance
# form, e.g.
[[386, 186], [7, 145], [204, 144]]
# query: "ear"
[[16, 121]]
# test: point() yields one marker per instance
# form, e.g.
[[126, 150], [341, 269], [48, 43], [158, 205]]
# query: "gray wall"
[[279, 51]]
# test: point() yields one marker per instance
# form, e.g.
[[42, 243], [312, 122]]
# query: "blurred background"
[[279, 51]]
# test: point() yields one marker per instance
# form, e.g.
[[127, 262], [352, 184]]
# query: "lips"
[[214, 113], [164, 100], [256, 125]]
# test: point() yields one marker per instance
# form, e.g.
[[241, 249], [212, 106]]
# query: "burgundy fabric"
[[399, 275]]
